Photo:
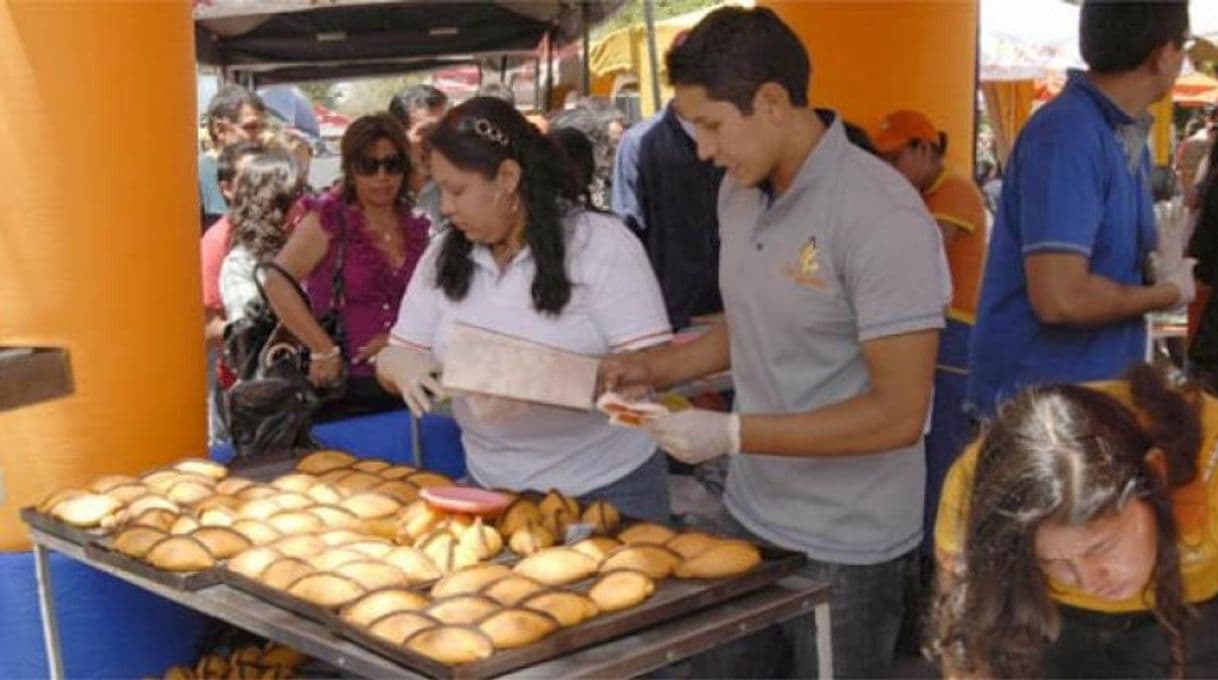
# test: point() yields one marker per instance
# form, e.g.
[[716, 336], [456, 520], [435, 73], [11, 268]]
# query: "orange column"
[[99, 240], [875, 56]]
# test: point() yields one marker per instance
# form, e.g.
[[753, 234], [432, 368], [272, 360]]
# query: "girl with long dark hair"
[[1080, 539], [521, 256]]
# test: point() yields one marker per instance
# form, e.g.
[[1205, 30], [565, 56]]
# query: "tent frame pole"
[[586, 84], [653, 57]]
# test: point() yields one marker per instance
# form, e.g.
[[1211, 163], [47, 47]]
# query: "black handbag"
[[270, 407]]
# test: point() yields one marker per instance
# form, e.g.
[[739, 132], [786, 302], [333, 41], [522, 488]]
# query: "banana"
[[425, 479], [531, 538], [284, 571], [87, 510], [303, 545], [320, 462], [460, 609], [232, 486], [567, 607], [417, 566], [401, 491], [221, 542], [158, 518], [511, 589], [516, 627], [597, 547], [257, 532], [603, 516], [324, 493], [371, 505], [202, 468], [690, 544], [355, 481], [295, 522], [335, 557], [382, 602], [292, 500], [727, 558], [646, 532], [656, 561], [372, 547], [373, 465], [326, 590], [397, 472], [555, 500], [335, 517], [179, 553], [184, 524], [337, 537], [452, 645], [556, 566], [136, 541], [621, 589], [397, 626], [518, 515], [253, 562], [483, 541], [104, 483], [469, 580], [372, 574]]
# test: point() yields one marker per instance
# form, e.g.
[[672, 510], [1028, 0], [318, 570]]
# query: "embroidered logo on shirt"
[[804, 270]]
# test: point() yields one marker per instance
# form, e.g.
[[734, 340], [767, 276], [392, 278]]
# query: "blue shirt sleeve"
[[1060, 189], [625, 196]]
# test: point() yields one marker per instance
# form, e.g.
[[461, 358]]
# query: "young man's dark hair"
[[1115, 37], [734, 51], [226, 163], [226, 105], [414, 98]]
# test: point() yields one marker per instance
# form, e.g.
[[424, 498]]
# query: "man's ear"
[[1155, 462], [772, 101]]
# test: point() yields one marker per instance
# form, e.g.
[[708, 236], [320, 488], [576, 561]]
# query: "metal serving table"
[[631, 655]]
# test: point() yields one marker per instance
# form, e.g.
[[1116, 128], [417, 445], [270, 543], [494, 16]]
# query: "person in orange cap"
[[915, 147]]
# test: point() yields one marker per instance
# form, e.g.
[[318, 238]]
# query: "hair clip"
[[487, 130]]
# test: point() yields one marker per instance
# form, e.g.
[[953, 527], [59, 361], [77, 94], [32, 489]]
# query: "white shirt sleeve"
[[625, 301], [419, 312], [237, 287]]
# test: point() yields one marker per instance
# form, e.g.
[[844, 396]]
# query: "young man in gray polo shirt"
[[832, 280]]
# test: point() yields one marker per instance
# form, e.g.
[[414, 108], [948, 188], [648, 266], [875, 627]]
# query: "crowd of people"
[[914, 373]]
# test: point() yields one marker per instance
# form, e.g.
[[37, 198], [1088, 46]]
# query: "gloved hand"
[[414, 373], [1179, 273], [1174, 230], [696, 435]]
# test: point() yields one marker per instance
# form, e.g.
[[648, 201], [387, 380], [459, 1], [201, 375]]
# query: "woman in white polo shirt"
[[521, 257]]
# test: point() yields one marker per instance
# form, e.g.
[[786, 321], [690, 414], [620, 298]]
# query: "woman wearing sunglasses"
[[1080, 538], [368, 229], [522, 256]]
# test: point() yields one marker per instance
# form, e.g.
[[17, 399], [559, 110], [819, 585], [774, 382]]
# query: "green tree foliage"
[[632, 13]]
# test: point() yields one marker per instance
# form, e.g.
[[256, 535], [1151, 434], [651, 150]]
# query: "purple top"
[[374, 287]]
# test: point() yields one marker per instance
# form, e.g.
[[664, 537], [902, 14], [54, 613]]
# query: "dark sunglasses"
[[392, 165]]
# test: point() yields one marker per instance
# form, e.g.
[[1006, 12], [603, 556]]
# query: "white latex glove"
[[414, 372], [696, 435], [1180, 275], [1173, 226]]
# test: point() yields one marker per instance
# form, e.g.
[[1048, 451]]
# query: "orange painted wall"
[[99, 240], [870, 57]]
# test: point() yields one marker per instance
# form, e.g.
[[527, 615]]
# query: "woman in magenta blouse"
[[370, 225]]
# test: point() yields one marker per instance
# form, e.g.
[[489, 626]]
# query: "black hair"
[[733, 51], [226, 105], [414, 98], [859, 137], [1116, 37], [230, 156], [263, 194], [577, 148], [359, 138], [478, 136]]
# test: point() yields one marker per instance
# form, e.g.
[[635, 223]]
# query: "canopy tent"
[[276, 41], [1195, 89]]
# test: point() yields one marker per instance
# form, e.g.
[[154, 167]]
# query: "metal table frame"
[[634, 654]]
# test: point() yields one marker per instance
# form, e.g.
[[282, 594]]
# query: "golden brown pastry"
[[458, 609], [555, 521], [556, 500], [326, 589], [469, 580], [279, 656], [381, 602], [621, 589], [211, 666], [324, 493], [370, 505], [259, 509], [690, 544], [221, 542], [646, 532], [149, 501], [321, 462], [179, 553], [416, 520], [300, 482], [567, 607], [484, 541], [158, 518], [556, 566], [530, 538], [373, 465], [161, 479], [86, 510], [726, 558], [355, 481], [399, 490], [597, 547], [220, 501], [284, 571], [426, 479], [105, 483], [253, 562], [217, 517], [44, 506], [603, 516], [656, 561], [136, 541], [302, 545], [125, 493], [231, 486], [516, 627], [397, 472], [256, 491], [203, 468], [372, 574], [452, 645], [518, 515], [291, 522], [417, 566], [397, 626], [184, 524], [179, 673], [335, 557], [335, 517], [291, 500], [258, 532], [511, 589], [372, 547], [337, 537]]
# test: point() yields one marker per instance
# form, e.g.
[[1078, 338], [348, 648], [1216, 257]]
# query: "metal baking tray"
[[179, 580], [54, 527]]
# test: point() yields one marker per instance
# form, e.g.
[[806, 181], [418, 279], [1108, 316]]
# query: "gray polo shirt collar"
[[818, 164]]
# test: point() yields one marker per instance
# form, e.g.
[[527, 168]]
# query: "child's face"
[[1111, 557]]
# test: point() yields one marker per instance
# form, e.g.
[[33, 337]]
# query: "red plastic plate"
[[465, 499]]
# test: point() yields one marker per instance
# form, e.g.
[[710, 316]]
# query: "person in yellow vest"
[[915, 147], [1079, 536]]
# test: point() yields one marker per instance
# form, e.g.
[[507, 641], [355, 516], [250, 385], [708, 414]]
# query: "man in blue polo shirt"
[[1066, 283]]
